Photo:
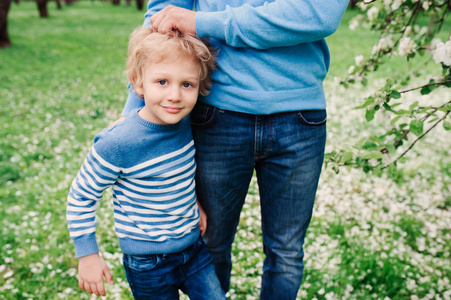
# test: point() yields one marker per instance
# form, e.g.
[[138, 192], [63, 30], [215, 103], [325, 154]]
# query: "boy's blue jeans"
[[160, 276], [287, 151]]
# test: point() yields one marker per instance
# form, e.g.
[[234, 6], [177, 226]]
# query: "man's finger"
[[166, 26], [155, 20]]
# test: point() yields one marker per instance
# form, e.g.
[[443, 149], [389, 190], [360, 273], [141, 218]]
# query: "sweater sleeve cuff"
[[211, 24], [85, 245]]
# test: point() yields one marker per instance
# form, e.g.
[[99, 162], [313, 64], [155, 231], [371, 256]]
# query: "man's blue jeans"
[[160, 276], [287, 151]]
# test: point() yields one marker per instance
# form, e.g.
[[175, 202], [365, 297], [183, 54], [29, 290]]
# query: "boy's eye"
[[162, 82], [187, 85]]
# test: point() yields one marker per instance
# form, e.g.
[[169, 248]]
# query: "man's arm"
[[280, 23], [133, 101]]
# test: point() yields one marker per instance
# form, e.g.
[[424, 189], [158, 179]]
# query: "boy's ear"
[[139, 90]]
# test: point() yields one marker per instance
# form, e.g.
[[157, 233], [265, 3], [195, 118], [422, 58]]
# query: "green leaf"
[[395, 119], [346, 156], [395, 94], [390, 148], [447, 125], [368, 101], [416, 127], [427, 89], [370, 145], [369, 115], [414, 105], [373, 154], [387, 107]]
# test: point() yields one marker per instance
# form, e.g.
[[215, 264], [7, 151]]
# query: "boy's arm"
[[133, 101], [97, 173]]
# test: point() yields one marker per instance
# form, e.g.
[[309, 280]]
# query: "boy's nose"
[[174, 94]]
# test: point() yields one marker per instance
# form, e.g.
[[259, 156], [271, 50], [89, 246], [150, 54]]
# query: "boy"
[[149, 161]]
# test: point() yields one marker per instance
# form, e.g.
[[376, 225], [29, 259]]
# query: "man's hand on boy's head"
[[91, 270], [172, 17]]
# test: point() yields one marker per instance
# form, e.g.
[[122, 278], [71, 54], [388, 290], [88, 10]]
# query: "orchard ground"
[[63, 80]]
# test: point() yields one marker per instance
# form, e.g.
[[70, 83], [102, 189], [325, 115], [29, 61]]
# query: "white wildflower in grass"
[[442, 53], [8, 274], [406, 46]]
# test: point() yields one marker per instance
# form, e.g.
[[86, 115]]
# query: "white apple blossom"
[[384, 44], [359, 60], [406, 46], [372, 13], [442, 53], [425, 5], [396, 4], [423, 30]]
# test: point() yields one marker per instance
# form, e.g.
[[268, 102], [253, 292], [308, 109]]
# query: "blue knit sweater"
[[272, 53], [151, 168]]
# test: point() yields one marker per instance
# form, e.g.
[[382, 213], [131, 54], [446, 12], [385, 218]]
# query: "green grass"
[[63, 80]]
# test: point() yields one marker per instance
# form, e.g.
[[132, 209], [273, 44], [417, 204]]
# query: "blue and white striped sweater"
[[151, 168]]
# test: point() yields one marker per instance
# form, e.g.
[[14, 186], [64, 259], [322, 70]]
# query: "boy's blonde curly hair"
[[147, 45]]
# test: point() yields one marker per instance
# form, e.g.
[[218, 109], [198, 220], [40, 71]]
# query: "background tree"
[[140, 4], [4, 37], [42, 7], [401, 35]]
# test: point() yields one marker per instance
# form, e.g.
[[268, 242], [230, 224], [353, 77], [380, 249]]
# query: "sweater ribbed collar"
[[160, 127]]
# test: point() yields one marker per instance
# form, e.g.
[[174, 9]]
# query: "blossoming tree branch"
[[398, 21]]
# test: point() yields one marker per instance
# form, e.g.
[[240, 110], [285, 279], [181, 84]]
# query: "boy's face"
[[170, 89]]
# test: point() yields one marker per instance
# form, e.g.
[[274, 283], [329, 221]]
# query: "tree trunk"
[[42, 6], [58, 4], [4, 37], [127, 2], [116, 2], [140, 4], [353, 3]]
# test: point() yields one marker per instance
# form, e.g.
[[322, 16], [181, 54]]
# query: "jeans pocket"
[[142, 263], [203, 115], [313, 117]]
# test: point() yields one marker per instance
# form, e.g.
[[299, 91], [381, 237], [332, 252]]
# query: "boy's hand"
[[203, 219], [91, 270], [172, 17]]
